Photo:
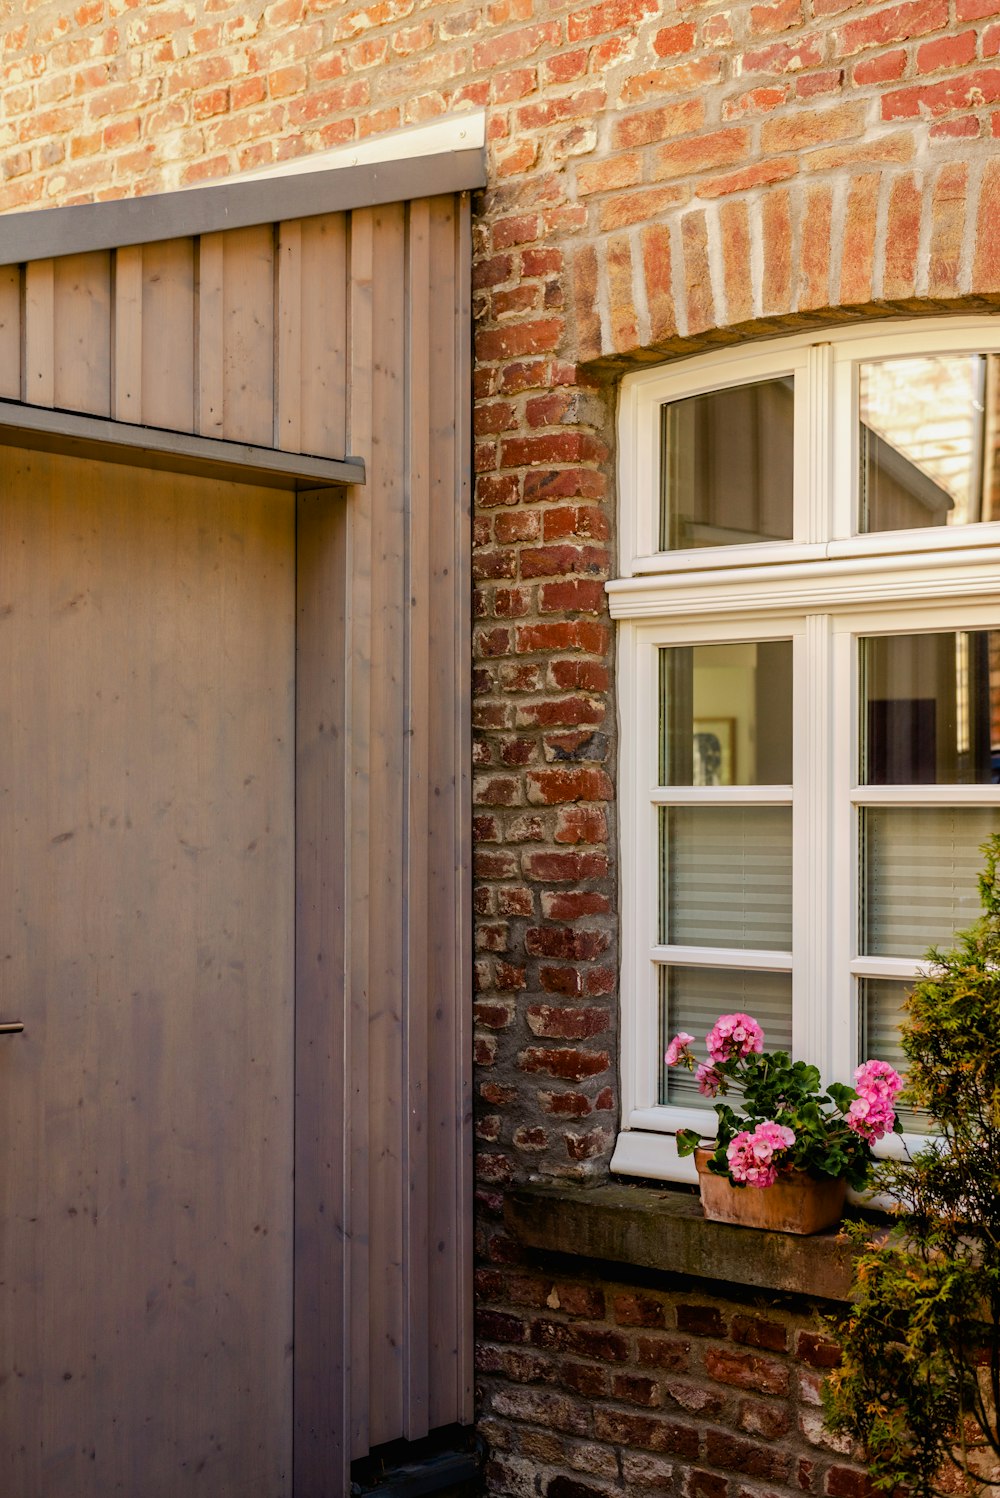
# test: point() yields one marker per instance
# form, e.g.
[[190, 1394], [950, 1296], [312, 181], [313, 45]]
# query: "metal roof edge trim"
[[39, 234], [73, 432]]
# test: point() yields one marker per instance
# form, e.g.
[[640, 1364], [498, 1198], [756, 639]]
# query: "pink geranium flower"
[[677, 1049], [708, 1080], [734, 1035], [751, 1156], [872, 1115]]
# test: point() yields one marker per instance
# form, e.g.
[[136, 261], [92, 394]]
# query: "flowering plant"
[[786, 1120]]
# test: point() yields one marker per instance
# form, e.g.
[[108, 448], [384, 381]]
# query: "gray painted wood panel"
[[346, 333], [146, 895]]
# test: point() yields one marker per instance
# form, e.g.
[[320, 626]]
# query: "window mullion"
[[814, 455], [813, 752]]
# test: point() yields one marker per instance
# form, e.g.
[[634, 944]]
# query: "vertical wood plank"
[[168, 341], [448, 873], [39, 339], [127, 396], [10, 332], [359, 658], [387, 832], [324, 336], [82, 332], [210, 335], [419, 871], [323, 1217], [289, 375], [248, 335], [457, 486]]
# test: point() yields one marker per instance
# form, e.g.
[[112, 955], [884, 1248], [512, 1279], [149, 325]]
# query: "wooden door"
[[146, 896]]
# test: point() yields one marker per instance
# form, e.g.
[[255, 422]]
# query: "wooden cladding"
[[238, 334], [384, 755], [342, 332]]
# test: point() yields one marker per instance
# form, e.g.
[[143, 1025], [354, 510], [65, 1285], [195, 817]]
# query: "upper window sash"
[[825, 369]]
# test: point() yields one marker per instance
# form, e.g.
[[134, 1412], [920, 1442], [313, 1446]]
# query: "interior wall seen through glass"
[[929, 441], [930, 709], [727, 466], [726, 714]]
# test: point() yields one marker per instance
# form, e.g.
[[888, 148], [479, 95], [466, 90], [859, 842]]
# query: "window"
[[809, 653]]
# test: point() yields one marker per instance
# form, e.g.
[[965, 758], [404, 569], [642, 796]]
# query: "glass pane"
[[726, 461], [931, 709], [726, 714], [726, 876], [881, 1010], [929, 441], [920, 868], [692, 998]]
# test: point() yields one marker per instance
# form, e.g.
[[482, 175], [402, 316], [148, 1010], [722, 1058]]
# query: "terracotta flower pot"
[[796, 1203]]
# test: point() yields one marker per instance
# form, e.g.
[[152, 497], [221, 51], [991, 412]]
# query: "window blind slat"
[[727, 876], [692, 999], [921, 867]]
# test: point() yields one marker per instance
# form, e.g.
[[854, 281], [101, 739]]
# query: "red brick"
[[565, 1023], [565, 1104], [817, 1351], [848, 1482], [633, 1309], [897, 23], [986, 265], [947, 52], [671, 41], [947, 229], [700, 1321], [657, 273], [700, 153], [608, 16], [745, 1370], [634, 1389], [820, 127], [751, 1331], [572, 1065], [734, 220], [971, 91], [858, 249], [884, 68], [584, 1341], [975, 10], [782, 15], [734, 1455], [784, 57], [647, 1431]]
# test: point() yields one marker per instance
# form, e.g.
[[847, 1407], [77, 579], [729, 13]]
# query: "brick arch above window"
[[856, 243]]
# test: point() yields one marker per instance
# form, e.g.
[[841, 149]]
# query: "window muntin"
[[726, 466], [928, 441], [830, 589]]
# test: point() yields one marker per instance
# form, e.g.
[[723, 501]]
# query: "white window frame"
[[824, 589]]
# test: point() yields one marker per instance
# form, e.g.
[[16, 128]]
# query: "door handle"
[[11, 1027]]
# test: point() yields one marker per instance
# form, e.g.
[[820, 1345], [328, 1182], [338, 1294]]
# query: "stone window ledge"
[[665, 1230]]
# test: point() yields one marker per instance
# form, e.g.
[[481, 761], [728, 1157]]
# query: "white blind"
[[726, 876], [692, 998], [881, 1012], [920, 875]]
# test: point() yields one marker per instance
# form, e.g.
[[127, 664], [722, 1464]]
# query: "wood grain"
[[146, 818]]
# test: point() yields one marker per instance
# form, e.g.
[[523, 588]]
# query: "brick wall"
[[592, 1386]]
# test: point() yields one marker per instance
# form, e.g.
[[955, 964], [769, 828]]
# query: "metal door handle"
[[11, 1027]]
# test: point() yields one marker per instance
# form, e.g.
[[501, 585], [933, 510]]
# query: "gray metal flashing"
[[181, 452], [39, 234]]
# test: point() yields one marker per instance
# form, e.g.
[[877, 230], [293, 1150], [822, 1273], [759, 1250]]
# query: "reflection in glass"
[[931, 709], [920, 875], [726, 876], [692, 998], [726, 461], [880, 1013], [726, 714], [930, 441]]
